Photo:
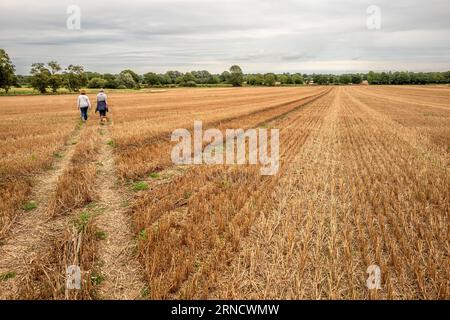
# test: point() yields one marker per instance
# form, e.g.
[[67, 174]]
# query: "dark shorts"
[[102, 113]]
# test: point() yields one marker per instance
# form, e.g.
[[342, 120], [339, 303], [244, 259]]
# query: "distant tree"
[[202, 76], [385, 78], [356, 78], [179, 80], [189, 84], [137, 78], [224, 76], [289, 79], [164, 79], [55, 67], [22, 81], [152, 79], [406, 79], [438, 77], [56, 79], [55, 82], [259, 79], [111, 81], [255, 79], [186, 80], [74, 77], [187, 77], [447, 77], [90, 75], [236, 77], [283, 79], [320, 79], [396, 77], [97, 83], [173, 75], [7, 69], [373, 78], [215, 79], [297, 79], [333, 79], [251, 79], [40, 77], [126, 80], [345, 79], [270, 79]]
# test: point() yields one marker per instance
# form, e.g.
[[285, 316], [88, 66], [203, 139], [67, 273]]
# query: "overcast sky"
[[259, 35]]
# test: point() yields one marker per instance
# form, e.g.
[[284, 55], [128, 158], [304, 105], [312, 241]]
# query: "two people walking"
[[84, 104]]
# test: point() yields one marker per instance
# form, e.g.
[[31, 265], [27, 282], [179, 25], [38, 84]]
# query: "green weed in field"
[[143, 235], [100, 235], [111, 143], [58, 155], [82, 221], [140, 186], [7, 275], [97, 278], [154, 175], [30, 205], [145, 293], [226, 184]]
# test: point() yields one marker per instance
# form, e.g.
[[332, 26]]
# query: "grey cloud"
[[261, 35]]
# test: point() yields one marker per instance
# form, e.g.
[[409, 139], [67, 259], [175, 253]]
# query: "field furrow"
[[195, 237], [349, 202]]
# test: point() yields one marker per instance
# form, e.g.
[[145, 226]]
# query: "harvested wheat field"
[[363, 181]]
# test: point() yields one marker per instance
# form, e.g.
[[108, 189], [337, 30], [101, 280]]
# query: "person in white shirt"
[[84, 104]]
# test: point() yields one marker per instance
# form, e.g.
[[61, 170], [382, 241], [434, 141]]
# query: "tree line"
[[52, 76], [402, 77]]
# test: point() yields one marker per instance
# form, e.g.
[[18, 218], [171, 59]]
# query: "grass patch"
[[226, 184], [79, 124], [97, 278], [145, 293], [111, 143], [154, 175], [30, 205], [187, 194], [82, 221], [7, 275], [143, 235], [58, 155], [100, 235], [140, 186]]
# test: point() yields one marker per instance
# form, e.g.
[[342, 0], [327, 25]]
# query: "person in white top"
[[84, 105]]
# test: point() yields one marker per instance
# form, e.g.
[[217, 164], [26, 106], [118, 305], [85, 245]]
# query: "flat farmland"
[[363, 183]]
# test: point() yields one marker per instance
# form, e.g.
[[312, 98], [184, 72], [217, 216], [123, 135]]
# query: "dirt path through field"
[[117, 253], [33, 227]]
